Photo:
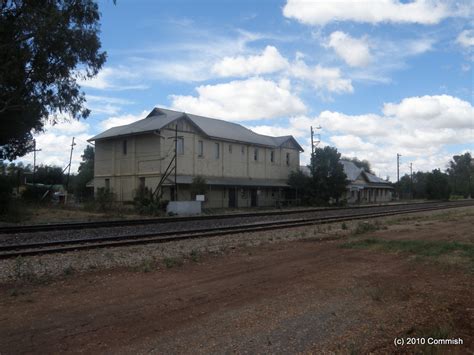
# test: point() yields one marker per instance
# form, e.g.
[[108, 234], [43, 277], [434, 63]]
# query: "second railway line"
[[18, 246]]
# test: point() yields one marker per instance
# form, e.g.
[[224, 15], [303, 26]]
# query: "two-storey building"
[[242, 168]]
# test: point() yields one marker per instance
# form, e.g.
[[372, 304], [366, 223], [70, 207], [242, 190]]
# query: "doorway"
[[232, 197], [253, 198]]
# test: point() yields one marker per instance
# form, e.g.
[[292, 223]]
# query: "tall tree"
[[45, 47], [86, 173], [461, 174], [437, 185], [328, 177], [49, 175]]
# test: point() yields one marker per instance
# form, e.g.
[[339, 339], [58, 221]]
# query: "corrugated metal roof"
[[352, 171], [374, 179], [215, 128]]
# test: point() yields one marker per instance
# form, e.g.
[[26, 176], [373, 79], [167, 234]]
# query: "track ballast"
[[67, 245]]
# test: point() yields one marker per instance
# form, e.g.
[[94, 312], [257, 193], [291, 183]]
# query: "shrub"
[[5, 194], [105, 199], [365, 227], [198, 186], [35, 193], [146, 202]]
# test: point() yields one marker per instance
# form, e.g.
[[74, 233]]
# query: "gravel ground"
[[20, 238], [279, 298]]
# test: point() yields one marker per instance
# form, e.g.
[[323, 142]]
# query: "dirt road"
[[281, 298]]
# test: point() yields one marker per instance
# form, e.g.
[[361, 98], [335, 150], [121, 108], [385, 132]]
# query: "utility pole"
[[34, 159], [314, 143], [398, 167], [69, 167], [411, 180], [176, 162]]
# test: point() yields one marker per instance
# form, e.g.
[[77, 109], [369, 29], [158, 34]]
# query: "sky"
[[380, 77]]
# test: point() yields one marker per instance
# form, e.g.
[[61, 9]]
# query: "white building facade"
[[241, 168]]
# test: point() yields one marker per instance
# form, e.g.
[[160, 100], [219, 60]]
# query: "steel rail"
[[30, 249], [132, 222]]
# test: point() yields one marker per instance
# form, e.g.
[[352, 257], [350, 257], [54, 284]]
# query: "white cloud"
[[439, 111], [322, 12], [250, 99], [322, 78], [349, 142], [269, 61], [420, 128], [111, 78], [466, 38], [107, 105], [361, 125], [55, 144], [115, 121], [355, 52]]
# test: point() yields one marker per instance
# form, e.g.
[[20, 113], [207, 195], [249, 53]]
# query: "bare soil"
[[299, 296]]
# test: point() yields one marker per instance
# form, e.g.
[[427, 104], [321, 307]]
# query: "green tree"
[[45, 47], [301, 185], [461, 175], [437, 185], [85, 174], [49, 175], [328, 178], [198, 186]]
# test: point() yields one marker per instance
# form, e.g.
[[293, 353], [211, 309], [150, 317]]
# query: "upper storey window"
[[287, 158], [124, 147], [180, 146], [255, 154], [200, 148], [272, 156], [217, 150]]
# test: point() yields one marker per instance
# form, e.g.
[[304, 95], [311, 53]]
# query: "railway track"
[[165, 220], [61, 246]]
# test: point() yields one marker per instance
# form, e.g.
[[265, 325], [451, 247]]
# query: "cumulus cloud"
[[269, 61], [439, 111], [466, 38], [250, 99], [121, 120], [321, 12], [355, 52], [420, 128], [55, 143], [322, 78]]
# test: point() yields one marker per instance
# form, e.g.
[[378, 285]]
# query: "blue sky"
[[380, 77]]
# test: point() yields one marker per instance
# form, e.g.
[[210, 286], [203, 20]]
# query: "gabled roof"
[[158, 118], [353, 172]]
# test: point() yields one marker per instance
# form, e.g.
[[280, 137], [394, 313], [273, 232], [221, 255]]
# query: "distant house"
[[241, 168], [363, 187]]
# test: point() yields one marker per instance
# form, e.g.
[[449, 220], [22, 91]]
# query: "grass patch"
[[418, 247], [147, 265], [366, 227], [194, 256], [172, 262]]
